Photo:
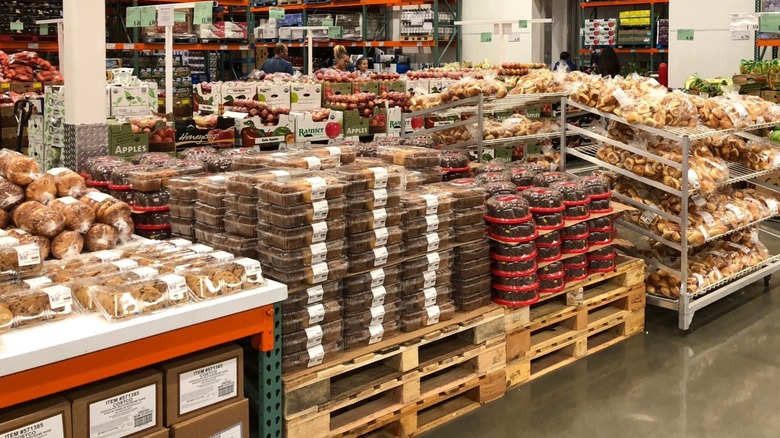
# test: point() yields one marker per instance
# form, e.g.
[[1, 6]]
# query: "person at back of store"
[[342, 62], [565, 63], [608, 63], [279, 63], [361, 66]]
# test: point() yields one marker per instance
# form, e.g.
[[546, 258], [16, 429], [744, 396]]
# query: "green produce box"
[[354, 124], [122, 142]]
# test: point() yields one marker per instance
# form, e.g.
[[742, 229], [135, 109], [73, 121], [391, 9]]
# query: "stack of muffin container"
[[455, 165]]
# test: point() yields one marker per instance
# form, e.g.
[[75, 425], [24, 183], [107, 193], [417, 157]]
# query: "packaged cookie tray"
[[28, 306], [474, 268], [312, 336], [320, 313], [245, 183], [205, 215], [375, 296], [182, 208], [371, 335], [294, 159], [243, 205], [424, 280], [415, 320], [425, 202], [375, 258], [20, 261], [379, 237], [419, 225], [156, 179], [362, 177], [372, 199], [471, 216], [240, 225], [317, 186], [298, 258], [300, 215], [470, 233], [240, 246], [313, 274], [294, 238], [388, 311], [186, 188], [312, 295], [426, 297], [211, 193], [311, 357], [472, 302], [473, 250], [472, 286], [371, 220], [359, 283], [429, 262], [410, 157], [427, 243]]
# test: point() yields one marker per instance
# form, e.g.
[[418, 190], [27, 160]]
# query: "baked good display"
[[298, 258], [376, 238], [575, 273], [68, 182], [375, 258], [101, 237], [372, 199], [67, 244], [19, 260], [515, 297], [371, 297], [600, 237], [455, 162], [518, 268], [431, 296], [522, 177], [428, 316], [41, 220], [514, 233], [545, 179], [468, 233], [43, 189], [500, 188], [371, 220], [513, 283], [425, 202], [600, 224], [359, 283], [550, 238], [417, 226], [371, 335], [574, 231], [549, 221], [410, 157], [367, 317], [549, 253], [542, 199], [18, 169], [574, 246], [551, 270], [320, 313], [507, 209], [552, 283], [309, 275], [491, 177], [108, 210], [427, 243], [466, 194], [299, 190], [10, 194], [362, 177], [509, 252], [294, 238]]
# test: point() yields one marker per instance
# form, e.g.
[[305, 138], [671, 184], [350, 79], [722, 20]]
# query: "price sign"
[[16, 25], [148, 16], [684, 34], [335, 32], [276, 12], [165, 15], [485, 37], [44, 29], [327, 22], [770, 23], [202, 13], [523, 24], [133, 17], [179, 17]]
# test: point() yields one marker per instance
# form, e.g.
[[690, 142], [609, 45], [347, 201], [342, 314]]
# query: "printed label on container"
[[433, 241], [333, 150], [125, 264], [380, 217], [145, 272], [280, 173], [773, 205], [699, 200], [320, 272], [177, 286], [251, 267], [431, 203], [429, 278], [380, 235], [319, 231], [48, 428], [179, 243], [98, 197], [433, 261], [430, 296], [37, 282], [57, 170], [124, 414], [67, 200], [754, 236], [313, 336], [380, 177], [718, 274], [433, 314], [28, 255], [375, 332], [378, 293], [320, 210], [740, 109], [59, 296], [699, 280], [737, 211], [222, 256], [316, 354], [316, 313], [200, 248], [377, 315], [318, 186], [315, 294], [231, 432], [647, 217], [693, 179], [377, 277], [319, 252], [433, 223], [708, 218], [208, 385], [704, 232], [314, 163], [380, 256], [380, 197]]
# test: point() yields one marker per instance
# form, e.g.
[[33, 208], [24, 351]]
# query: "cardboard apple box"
[[419, 87], [204, 102], [130, 101], [277, 95], [307, 129], [394, 121], [188, 135], [252, 131], [237, 91], [305, 96], [354, 124]]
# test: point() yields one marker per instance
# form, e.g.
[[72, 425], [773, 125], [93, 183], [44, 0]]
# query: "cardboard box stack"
[[600, 32]]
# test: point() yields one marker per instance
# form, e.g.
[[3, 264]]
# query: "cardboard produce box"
[[337, 88], [202, 382], [254, 133], [8, 138], [162, 433], [306, 129], [237, 91], [130, 405], [388, 86], [122, 142], [394, 121], [7, 118], [305, 96], [418, 87], [188, 135], [231, 421], [26, 87], [277, 95], [132, 101], [48, 418], [366, 87], [205, 100]]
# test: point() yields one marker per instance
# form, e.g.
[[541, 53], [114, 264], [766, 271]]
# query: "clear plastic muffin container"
[[473, 285], [371, 220], [421, 225], [470, 233], [20, 260], [316, 314], [427, 243], [311, 357], [294, 238], [239, 245], [313, 295], [389, 311], [375, 258], [182, 208], [429, 262], [312, 274], [470, 216], [240, 225], [126, 196], [28, 306], [465, 195], [120, 176], [291, 159], [301, 189], [428, 316], [302, 214], [245, 183], [426, 202], [243, 205], [410, 157], [156, 179], [186, 187], [298, 258], [427, 279], [212, 192], [371, 335], [369, 240], [375, 296], [470, 269], [386, 276], [419, 178], [213, 216], [427, 297], [312, 336], [471, 251], [345, 153], [472, 302], [372, 199], [360, 177]]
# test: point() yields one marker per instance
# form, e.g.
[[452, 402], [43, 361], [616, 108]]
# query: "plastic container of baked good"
[[451, 176], [575, 231], [126, 196], [514, 268], [292, 159], [302, 214], [197, 153], [212, 192], [550, 284], [600, 237], [577, 260], [371, 220], [248, 270], [429, 262], [311, 357], [316, 314], [515, 298], [427, 297], [20, 260], [573, 192], [576, 212], [371, 335], [410, 157], [183, 227], [301, 190], [422, 177], [551, 269], [515, 283], [298, 258], [206, 234], [100, 172], [491, 177], [425, 202], [375, 258], [574, 246], [550, 238], [182, 208], [602, 264], [470, 216], [455, 162], [312, 274], [243, 205], [389, 311], [372, 199], [513, 252], [546, 179], [507, 209], [603, 223], [312, 336], [606, 252], [155, 179], [470, 233], [471, 251], [473, 285], [428, 316], [294, 238], [151, 201], [549, 221], [472, 302], [548, 253], [427, 243], [432, 223], [209, 216], [513, 233], [375, 296], [152, 218], [240, 225], [154, 232], [522, 177], [385, 276], [245, 183], [28, 306], [600, 206], [465, 193], [362, 242], [360, 177], [490, 168], [575, 273], [344, 152], [186, 187], [596, 187], [424, 280], [499, 188], [543, 200], [313, 295]]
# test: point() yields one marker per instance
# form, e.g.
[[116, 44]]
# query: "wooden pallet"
[[373, 386], [583, 319]]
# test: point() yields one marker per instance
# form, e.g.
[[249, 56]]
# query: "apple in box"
[[231, 91], [274, 94], [162, 135], [389, 86], [305, 96], [218, 132], [206, 98], [319, 124], [257, 132]]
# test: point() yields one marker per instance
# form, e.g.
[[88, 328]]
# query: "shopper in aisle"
[[341, 62], [608, 63], [279, 63], [361, 66], [565, 62]]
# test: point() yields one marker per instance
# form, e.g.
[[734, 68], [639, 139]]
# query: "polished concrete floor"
[[721, 379]]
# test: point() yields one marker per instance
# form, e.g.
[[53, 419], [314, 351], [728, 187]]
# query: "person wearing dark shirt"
[[278, 64], [609, 65], [565, 62]]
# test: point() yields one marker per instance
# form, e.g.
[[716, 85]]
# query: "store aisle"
[[721, 379]]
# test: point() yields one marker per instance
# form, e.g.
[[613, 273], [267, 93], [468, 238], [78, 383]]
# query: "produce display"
[[27, 67]]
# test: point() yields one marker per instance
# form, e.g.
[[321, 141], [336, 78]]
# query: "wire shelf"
[[717, 285], [511, 141], [508, 103]]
